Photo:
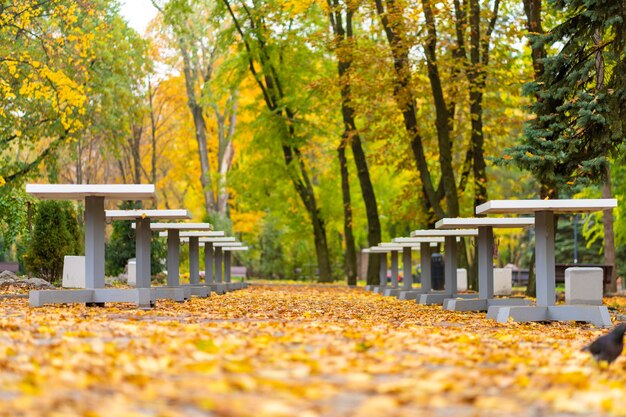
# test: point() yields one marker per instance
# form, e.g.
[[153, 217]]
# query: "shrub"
[[56, 233]]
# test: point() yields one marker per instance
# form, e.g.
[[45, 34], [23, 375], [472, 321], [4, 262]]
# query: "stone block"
[[583, 286], [461, 279], [132, 271], [74, 272], [502, 281]]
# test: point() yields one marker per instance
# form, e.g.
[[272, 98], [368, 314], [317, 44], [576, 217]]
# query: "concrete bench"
[[583, 286], [73, 272]]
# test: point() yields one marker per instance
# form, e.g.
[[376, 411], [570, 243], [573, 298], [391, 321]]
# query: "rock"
[[38, 283], [8, 275]]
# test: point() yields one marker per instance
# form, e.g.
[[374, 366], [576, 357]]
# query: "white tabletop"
[[413, 246], [234, 248], [182, 226], [417, 240], [440, 233], [385, 249], [211, 239], [204, 233], [471, 222], [80, 191], [223, 244], [556, 206], [143, 214]]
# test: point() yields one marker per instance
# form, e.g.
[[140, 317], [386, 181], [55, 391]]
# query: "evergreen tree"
[[580, 112], [56, 234]]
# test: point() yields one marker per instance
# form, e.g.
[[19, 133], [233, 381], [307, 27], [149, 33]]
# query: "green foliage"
[[272, 262], [56, 234], [121, 246], [580, 108]]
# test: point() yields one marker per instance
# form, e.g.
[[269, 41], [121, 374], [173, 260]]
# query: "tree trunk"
[[226, 151], [350, 254], [273, 94], [609, 236], [200, 131], [405, 98], [343, 44]]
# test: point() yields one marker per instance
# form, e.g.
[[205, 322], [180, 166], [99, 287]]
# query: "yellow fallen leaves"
[[295, 351]]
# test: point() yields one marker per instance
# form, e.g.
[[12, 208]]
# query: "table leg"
[[425, 259], [94, 242], [194, 263], [173, 257], [450, 265], [227, 267], [382, 273], [142, 252], [544, 258], [208, 263], [407, 280], [394, 269], [218, 265], [485, 262]]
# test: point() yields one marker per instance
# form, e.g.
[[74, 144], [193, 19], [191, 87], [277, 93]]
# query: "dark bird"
[[608, 347]]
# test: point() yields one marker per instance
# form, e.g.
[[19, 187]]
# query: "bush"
[[56, 233], [121, 246]]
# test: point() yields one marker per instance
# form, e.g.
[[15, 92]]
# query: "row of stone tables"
[[143, 295], [500, 309]]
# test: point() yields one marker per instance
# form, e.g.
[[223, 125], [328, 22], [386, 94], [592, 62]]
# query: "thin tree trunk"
[[609, 236], [197, 113], [350, 257], [406, 100], [273, 95], [343, 44], [153, 129], [226, 154]]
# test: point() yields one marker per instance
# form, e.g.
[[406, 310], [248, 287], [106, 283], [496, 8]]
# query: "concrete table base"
[[142, 297], [370, 287], [410, 295], [218, 288], [596, 315], [481, 304], [392, 292], [438, 298], [381, 290], [171, 293], [199, 290]]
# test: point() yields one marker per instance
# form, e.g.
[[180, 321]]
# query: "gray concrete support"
[[194, 262], [173, 257], [544, 258], [425, 259], [94, 242], [142, 252], [450, 266], [407, 269], [208, 263], [485, 262], [218, 265]]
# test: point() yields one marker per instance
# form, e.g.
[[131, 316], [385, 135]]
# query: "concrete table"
[[220, 261], [485, 225], [227, 250], [143, 238], [172, 231], [382, 286], [93, 195], [450, 238], [423, 244], [546, 308], [195, 241]]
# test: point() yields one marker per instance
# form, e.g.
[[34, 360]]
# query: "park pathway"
[[295, 351]]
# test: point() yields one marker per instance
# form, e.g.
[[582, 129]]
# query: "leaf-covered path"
[[295, 351]]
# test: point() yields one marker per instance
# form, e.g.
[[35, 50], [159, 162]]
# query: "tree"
[[579, 116], [255, 34], [344, 44], [56, 234], [197, 28]]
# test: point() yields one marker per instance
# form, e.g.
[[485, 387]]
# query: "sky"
[[138, 13]]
